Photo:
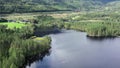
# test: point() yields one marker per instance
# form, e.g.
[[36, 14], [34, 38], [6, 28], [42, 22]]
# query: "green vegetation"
[[13, 25], [19, 44], [46, 25], [21, 40], [112, 7], [10, 6], [95, 24], [24, 42]]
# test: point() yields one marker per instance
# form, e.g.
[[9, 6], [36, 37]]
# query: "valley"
[[59, 33]]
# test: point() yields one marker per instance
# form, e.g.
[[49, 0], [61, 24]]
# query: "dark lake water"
[[72, 49]]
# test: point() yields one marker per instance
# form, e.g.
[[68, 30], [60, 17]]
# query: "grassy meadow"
[[12, 25]]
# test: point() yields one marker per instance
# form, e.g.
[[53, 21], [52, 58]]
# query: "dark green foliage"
[[95, 24], [46, 25], [103, 29], [16, 45], [10, 6]]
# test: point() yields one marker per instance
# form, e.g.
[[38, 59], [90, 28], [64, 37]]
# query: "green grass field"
[[12, 25]]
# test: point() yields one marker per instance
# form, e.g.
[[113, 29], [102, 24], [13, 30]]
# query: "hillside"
[[9, 6], [112, 7]]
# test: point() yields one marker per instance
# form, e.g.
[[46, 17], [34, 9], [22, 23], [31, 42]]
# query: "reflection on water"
[[72, 49], [100, 38], [35, 58]]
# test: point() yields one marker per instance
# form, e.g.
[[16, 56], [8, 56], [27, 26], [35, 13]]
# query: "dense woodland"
[[95, 24], [10, 6], [18, 44]]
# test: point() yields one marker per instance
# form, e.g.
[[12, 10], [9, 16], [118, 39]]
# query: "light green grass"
[[12, 25], [39, 39]]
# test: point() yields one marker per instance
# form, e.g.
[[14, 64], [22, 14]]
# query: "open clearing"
[[12, 25]]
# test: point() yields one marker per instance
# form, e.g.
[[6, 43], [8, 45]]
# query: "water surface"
[[72, 49]]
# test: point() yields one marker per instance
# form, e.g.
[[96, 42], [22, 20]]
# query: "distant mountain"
[[8, 6], [112, 7]]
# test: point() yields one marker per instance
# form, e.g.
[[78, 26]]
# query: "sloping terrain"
[[9, 6]]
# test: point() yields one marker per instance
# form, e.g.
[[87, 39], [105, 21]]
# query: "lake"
[[72, 49]]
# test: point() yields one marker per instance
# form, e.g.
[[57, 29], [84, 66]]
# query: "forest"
[[95, 24], [26, 6], [17, 44]]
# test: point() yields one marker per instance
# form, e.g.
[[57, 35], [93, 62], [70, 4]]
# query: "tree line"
[[95, 24]]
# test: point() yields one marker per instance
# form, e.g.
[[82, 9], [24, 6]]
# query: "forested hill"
[[9, 6], [112, 7]]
